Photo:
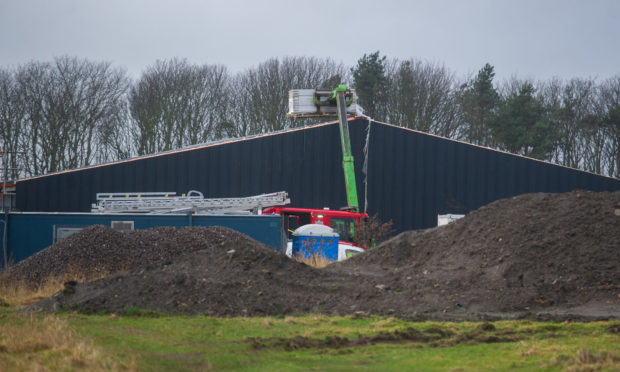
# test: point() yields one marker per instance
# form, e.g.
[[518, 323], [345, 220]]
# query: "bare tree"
[[175, 104], [32, 79], [11, 120], [421, 96], [68, 106], [260, 95], [114, 138], [579, 111], [610, 110], [577, 108], [550, 94]]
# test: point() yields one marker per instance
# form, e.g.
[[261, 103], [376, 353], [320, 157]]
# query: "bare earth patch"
[[543, 256]]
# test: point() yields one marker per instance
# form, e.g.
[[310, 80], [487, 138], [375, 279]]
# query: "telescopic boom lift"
[[343, 97], [323, 103]]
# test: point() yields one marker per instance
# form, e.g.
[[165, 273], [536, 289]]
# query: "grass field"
[[144, 341]]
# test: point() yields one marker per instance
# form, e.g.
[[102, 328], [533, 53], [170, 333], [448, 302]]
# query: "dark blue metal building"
[[411, 176]]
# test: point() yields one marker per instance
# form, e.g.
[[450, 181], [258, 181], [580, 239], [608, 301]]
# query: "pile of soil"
[[550, 253], [237, 277], [535, 255], [100, 250]]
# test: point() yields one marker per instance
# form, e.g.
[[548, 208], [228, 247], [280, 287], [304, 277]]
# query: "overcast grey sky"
[[535, 39]]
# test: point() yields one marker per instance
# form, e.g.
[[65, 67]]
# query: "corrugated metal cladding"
[[412, 176]]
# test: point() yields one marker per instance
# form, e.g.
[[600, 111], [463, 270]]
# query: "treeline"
[[72, 112]]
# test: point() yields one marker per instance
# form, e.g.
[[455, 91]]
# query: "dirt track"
[[537, 256]]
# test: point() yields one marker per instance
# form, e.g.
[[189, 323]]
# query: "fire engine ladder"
[[194, 201]]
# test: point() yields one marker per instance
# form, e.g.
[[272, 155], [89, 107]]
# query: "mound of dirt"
[[536, 252], [536, 255], [100, 250], [238, 277]]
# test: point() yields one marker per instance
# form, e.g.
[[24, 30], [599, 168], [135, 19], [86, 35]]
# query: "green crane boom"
[[347, 157], [323, 101]]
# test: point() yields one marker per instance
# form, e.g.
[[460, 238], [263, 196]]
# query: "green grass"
[[155, 342]]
